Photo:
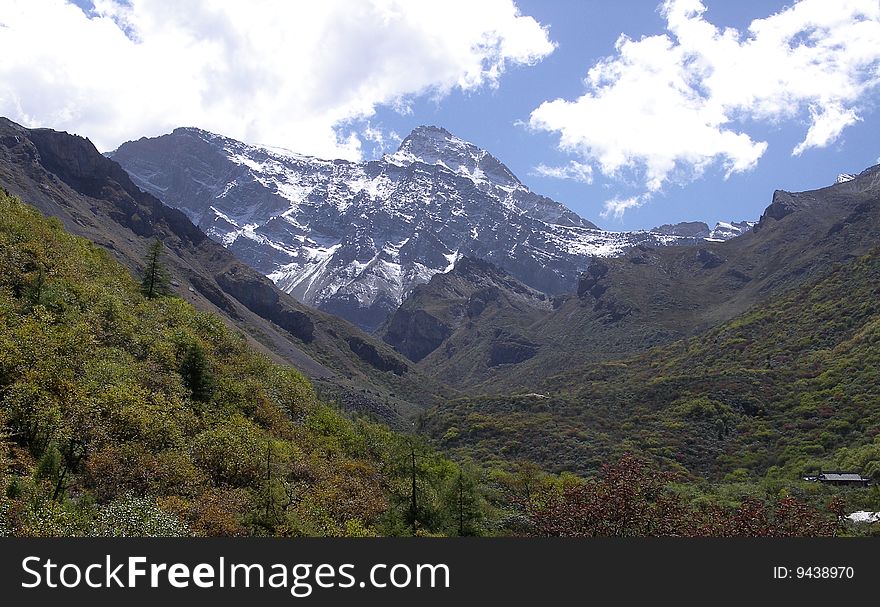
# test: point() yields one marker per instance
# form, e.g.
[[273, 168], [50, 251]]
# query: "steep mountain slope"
[[122, 414], [65, 176], [355, 238], [786, 388], [474, 293], [647, 297]]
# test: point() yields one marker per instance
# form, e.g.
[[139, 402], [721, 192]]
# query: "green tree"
[[196, 373], [156, 280], [37, 287], [464, 503], [232, 452]]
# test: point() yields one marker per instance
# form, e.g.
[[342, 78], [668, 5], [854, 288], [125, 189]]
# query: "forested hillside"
[[782, 390], [125, 414], [64, 176]]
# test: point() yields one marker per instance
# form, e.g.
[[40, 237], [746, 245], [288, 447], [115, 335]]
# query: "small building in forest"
[[834, 477]]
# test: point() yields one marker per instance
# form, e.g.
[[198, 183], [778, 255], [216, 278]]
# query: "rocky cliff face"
[[354, 239]]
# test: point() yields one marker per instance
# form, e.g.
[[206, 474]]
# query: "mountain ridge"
[[64, 176], [785, 388], [646, 298], [355, 238], [723, 230]]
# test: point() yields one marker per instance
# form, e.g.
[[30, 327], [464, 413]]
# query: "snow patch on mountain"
[[724, 230]]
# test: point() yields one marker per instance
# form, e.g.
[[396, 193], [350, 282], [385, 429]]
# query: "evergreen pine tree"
[[156, 281], [196, 374]]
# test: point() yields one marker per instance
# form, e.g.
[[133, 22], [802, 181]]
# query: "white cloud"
[[381, 139], [668, 106], [271, 71], [574, 170], [826, 125], [618, 206]]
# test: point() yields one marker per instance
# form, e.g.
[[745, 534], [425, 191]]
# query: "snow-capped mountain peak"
[[437, 146], [355, 238]]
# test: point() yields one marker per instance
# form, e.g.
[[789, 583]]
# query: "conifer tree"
[[196, 373], [156, 281]]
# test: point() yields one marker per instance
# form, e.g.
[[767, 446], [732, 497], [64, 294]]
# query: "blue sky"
[[585, 32], [685, 121]]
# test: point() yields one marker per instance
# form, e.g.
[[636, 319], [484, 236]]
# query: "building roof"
[[842, 476]]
